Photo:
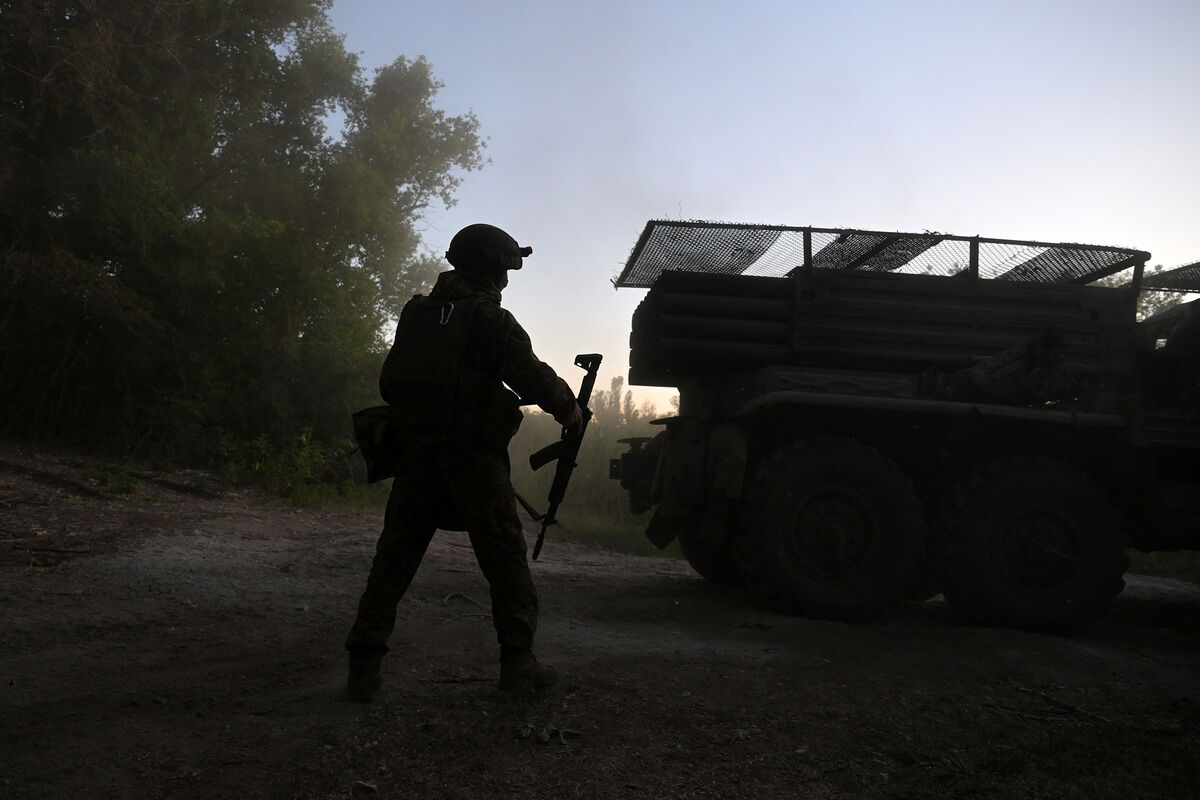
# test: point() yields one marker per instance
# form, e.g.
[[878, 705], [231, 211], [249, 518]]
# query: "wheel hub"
[[1039, 551], [833, 531]]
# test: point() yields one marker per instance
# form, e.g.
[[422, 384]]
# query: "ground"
[[162, 635]]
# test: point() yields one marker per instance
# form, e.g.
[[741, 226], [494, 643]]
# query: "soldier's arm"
[[533, 379]]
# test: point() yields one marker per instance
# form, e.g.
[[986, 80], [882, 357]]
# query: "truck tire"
[[830, 528], [1029, 542]]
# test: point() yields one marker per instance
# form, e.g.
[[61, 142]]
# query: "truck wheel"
[[1031, 543], [830, 528]]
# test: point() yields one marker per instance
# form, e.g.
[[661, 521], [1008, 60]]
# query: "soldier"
[[444, 380]]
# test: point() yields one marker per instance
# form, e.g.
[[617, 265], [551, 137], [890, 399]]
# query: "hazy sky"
[[1047, 120]]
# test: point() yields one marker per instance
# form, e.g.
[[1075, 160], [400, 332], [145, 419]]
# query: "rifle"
[[565, 450]]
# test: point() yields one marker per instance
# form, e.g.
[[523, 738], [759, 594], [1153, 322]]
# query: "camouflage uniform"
[[452, 468]]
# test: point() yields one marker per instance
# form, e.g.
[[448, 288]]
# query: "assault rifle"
[[565, 450]]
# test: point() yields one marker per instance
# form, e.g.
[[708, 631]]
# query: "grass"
[[625, 534], [1183, 565]]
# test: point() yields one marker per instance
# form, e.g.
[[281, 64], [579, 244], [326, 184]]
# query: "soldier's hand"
[[573, 421]]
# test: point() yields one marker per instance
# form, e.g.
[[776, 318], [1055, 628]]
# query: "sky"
[[1050, 120]]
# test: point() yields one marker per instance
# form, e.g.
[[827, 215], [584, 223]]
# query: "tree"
[[614, 409], [1149, 301], [186, 250]]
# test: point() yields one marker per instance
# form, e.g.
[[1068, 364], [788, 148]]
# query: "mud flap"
[[661, 530]]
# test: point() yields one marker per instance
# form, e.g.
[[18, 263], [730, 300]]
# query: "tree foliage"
[[1149, 301], [187, 254], [613, 409]]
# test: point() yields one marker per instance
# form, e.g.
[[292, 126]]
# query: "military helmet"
[[486, 249]]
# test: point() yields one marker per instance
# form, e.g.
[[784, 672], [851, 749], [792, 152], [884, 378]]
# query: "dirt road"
[[162, 636]]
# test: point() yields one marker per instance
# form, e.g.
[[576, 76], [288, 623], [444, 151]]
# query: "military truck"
[[870, 417]]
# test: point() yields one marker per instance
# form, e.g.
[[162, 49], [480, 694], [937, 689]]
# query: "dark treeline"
[[190, 261]]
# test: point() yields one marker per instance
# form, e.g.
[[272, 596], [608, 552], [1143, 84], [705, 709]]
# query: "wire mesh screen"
[[769, 250], [714, 250], [996, 260], [943, 257], [1176, 279], [1065, 264], [784, 254]]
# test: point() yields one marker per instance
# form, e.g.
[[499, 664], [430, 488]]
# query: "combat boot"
[[520, 671], [363, 679]]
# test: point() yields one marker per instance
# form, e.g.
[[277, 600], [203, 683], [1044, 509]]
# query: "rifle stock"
[[566, 449]]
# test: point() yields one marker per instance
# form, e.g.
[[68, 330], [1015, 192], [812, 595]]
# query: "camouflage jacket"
[[455, 351]]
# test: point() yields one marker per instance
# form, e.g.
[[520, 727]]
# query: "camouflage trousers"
[[455, 487]]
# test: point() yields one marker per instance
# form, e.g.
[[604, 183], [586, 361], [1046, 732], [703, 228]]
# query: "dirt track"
[[163, 637]]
